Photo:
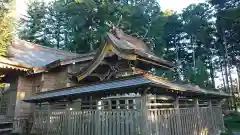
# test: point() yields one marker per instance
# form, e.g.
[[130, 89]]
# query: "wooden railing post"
[[179, 125], [66, 120], [48, 119], [198, 123], [40, 116], [144, 111], [221, 118], [211, 116], [97, 118]]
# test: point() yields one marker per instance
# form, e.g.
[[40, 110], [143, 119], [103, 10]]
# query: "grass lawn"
[[232, 123]]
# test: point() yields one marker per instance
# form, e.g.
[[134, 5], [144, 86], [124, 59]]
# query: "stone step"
[[6, 127]]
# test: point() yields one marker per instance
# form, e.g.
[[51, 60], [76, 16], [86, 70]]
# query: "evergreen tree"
[[32, 26], [6, 28], [198, 45]]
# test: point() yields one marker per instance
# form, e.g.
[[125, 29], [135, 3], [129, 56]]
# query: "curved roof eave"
[[122, 50]]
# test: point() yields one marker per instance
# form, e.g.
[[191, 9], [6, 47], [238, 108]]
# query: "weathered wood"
[[162, 121], [178, 119]]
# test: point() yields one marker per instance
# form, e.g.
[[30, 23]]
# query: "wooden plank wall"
[[128, 122]]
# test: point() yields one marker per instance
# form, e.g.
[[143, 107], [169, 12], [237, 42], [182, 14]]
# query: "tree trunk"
[[238, 77], [194, 59], [230, 77], [212, 73], [226, 65], [223, 77], [91, 47], [177, 59], [66, 39], [232, 89], [226, 76], [58, 36]]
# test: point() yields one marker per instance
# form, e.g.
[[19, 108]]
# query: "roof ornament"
[[112, 26]]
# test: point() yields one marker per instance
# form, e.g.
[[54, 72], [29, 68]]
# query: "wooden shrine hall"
[[112, 91]]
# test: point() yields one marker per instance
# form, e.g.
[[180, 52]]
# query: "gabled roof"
[[129, 45], [123, 45], [119, 86], [34, 55], [39, 58], [23, 55], [126, 47]]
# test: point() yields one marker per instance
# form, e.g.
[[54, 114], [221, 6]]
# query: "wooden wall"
[[51, 80], [29, 85], [24, 89], [54, 79], [11, 100]]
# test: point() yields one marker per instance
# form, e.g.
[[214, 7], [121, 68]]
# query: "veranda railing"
[[169, 121]]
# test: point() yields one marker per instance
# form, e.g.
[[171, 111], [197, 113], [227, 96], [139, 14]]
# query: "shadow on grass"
[[232, 123]]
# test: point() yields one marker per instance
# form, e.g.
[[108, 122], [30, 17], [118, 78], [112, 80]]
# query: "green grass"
[[232, 123]]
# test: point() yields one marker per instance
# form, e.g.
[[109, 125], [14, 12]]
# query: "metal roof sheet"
[[115, 84], [90, 88], [30, 54]]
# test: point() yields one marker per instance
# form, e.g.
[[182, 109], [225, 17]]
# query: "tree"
[[5, 26], [78, 28], [227, 24], [173, 30], [189, 40], [32, 26], [198, 45]]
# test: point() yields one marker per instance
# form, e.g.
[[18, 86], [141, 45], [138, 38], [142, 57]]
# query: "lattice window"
[[120, 103], [38, 88], [186, 103], [155, 103]]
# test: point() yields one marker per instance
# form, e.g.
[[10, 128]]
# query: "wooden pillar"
[[117, 104], [40, 119], [109, 104], [48, 119], [67, 120], [211, 116], [144, 112], [221, 118], [179, 125], [198, 119], [97, 117]]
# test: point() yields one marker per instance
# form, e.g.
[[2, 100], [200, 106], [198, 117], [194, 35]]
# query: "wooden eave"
[[19, 67], [144, 56], [153, 60], [94, 63], [81, 58]]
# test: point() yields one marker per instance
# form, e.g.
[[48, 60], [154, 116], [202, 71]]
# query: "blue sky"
[[177, 5]]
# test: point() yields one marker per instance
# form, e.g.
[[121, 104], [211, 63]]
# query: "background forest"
[[203, 40]]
